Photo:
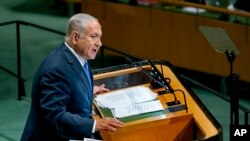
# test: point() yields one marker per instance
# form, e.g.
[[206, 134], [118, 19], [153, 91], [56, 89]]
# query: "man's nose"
[[99, 42]]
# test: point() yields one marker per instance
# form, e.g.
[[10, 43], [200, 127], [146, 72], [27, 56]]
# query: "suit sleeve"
[[54, 96]]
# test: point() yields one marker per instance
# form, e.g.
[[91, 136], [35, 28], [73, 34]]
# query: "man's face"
[[89, 44]]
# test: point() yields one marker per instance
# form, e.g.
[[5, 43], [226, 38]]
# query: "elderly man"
[[62, 91]]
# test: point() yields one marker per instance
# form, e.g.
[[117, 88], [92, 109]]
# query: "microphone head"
[[155, 85]]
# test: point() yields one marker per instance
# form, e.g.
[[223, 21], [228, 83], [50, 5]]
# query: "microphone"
[[158, 77], [168, 88], [149, 74], [175, 105]]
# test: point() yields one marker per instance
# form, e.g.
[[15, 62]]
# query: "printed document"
[[127, 96], [130, 101], [135, 109]]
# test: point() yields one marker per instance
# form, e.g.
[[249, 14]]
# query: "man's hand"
[[107, 123], [100, 89]]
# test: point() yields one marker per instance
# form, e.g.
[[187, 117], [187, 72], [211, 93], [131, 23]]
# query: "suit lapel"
[[76, 66]]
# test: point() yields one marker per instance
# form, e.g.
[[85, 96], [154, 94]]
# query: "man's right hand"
[[107, 123]]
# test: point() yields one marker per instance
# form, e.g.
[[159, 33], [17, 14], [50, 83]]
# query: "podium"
[[161, 128], [195, 124]]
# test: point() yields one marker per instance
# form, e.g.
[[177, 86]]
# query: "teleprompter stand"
[[221, 42]]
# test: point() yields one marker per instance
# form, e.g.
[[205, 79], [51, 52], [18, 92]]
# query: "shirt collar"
[[79, 58]]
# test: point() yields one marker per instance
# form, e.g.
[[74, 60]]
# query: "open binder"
[[129, 104]]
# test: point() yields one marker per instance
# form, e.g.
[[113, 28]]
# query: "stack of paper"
[[135, 109], [130, 101]]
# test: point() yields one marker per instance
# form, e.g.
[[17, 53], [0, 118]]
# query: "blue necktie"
[[86, 69]]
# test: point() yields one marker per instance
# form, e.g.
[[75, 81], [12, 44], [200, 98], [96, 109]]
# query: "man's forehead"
[[94, 28]]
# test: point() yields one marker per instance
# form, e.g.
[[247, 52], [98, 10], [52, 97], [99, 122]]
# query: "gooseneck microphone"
[[160, 78], [168, 87], [150, 75]]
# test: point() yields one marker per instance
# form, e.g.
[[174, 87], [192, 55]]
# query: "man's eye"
[[95, 37]]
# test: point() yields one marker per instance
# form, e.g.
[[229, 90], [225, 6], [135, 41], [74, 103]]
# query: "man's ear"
[[74, 37]]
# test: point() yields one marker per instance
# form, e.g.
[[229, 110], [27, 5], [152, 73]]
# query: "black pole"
[[20, 81], [18, 59], [232, 91], [230, 57], [246, 118], [234, 98]]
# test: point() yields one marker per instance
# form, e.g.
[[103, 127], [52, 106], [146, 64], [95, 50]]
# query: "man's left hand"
[[100, 89]]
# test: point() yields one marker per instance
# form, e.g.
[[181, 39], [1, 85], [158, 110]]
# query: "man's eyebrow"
[[96, 34]]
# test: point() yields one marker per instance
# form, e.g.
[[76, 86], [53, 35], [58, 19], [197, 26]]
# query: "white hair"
[[78, 22]]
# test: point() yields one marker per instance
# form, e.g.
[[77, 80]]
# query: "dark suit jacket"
[[61, 100]]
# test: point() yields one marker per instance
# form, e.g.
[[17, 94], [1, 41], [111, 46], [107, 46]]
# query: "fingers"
[[100, 89], [102, 85], [110, 124]]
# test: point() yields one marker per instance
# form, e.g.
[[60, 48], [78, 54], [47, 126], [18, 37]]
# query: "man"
[[62, 93]]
